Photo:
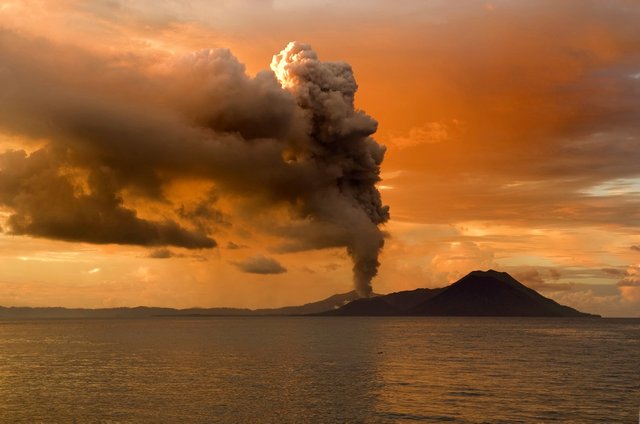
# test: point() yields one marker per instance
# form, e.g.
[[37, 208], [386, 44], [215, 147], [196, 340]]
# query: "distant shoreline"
[[478, 294], [71, 317]]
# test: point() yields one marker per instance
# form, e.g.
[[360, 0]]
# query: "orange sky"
[[511, 127]]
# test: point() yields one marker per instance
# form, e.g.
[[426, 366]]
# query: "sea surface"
[[320, 370]]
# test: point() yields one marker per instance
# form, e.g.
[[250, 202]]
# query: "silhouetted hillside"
[[488, 293], [329, 303], [137, 312], [390, 304], [480, 293]]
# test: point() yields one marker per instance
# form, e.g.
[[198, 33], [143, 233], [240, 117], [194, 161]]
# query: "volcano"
[[479, 293]]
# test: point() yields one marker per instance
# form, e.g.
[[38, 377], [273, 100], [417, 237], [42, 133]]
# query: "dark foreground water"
[[325, 370]]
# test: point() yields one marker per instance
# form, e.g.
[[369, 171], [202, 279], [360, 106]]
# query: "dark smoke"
[[338, 142], [110, 131]]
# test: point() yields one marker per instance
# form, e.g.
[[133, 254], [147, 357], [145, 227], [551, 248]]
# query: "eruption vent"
[[339, 144]]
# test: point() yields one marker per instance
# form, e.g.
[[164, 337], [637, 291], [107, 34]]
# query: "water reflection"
[[319, 370]]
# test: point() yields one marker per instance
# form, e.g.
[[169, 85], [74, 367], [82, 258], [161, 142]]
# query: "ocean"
[[320, 370]]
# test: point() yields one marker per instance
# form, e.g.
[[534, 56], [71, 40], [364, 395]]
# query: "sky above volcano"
[[511, 128]]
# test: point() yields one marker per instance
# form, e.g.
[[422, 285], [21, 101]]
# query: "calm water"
[[279, 370]]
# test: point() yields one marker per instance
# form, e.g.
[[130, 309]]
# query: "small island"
[[479, 293]]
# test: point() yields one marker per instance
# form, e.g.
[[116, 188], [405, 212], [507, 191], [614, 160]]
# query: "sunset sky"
[[512, 131]]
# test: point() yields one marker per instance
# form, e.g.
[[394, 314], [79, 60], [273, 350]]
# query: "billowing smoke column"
[[286, 149], [339, 143]]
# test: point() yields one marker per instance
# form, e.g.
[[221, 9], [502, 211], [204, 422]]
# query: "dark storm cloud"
[[129, 125], [260, 265]]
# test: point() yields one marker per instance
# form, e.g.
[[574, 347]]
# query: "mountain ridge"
[[479, 293], [26, 312]]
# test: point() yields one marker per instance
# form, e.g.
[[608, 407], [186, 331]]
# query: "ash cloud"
[[117, 128], [339, 144], [260, 265]]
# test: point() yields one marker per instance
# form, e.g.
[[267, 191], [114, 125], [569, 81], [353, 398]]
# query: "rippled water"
[[325, 370]]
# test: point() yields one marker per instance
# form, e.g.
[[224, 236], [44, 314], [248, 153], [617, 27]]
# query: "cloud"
[[331, 267], [631, 275], [47, 203], [203, 215], [431, 132], [554, 273], [585, 298], [453, 260], [629, 286], [260, 265], [615, 272], [546, 118], [635, 248], [307, 269], [532, 278], [161, 253], [120, 133]]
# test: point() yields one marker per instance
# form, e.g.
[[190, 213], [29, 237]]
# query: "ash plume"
[[111, 131], [338, 142]]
